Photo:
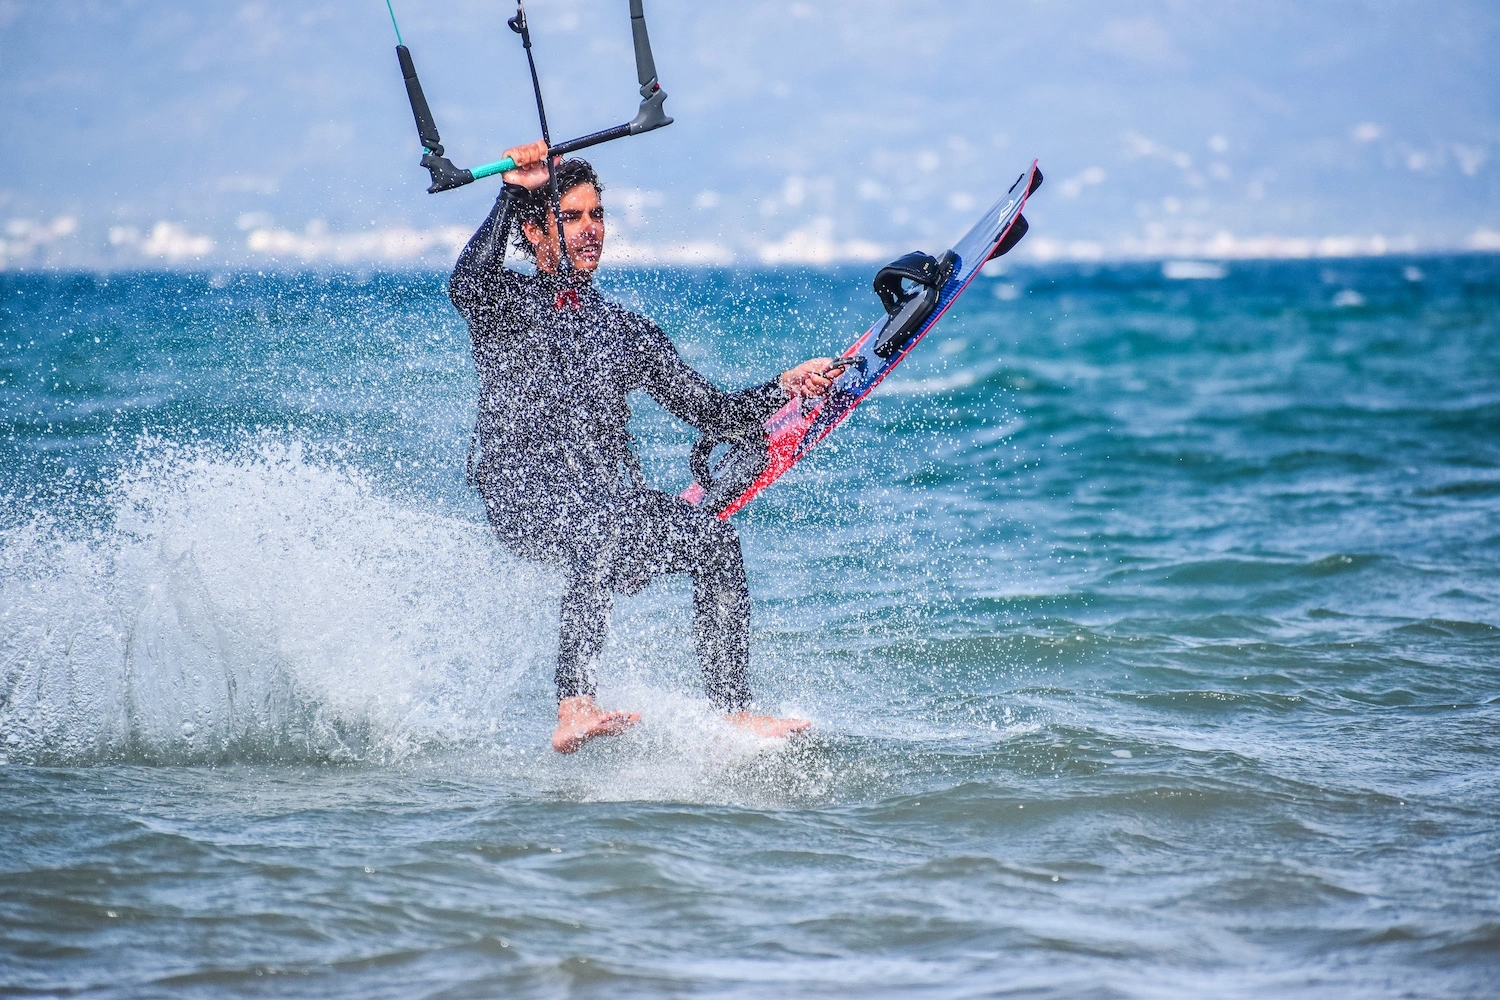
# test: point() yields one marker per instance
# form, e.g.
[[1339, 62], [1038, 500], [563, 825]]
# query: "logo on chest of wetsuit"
[[568, 297]]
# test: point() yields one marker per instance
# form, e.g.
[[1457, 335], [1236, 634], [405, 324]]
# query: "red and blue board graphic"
[[793, 430]]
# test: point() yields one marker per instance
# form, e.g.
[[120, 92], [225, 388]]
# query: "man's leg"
[[593, 547], [586, 605], [721, 616], [665, 534]]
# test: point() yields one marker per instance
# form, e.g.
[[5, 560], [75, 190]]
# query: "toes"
[[617, 722]]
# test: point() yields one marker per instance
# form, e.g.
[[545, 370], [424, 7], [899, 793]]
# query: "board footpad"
[[907, 308]]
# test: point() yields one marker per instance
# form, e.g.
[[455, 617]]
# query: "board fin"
[[1018, 229]]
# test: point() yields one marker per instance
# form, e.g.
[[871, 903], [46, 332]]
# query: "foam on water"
[[257, 602]]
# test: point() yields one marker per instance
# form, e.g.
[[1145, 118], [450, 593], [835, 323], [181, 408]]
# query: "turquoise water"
[[1151, 629]]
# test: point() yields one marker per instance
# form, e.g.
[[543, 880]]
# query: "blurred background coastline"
[[273, 134]]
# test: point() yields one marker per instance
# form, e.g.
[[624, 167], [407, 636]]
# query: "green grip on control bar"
[[498, 167]]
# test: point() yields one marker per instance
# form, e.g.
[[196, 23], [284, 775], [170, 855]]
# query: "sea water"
[[1148, 618]]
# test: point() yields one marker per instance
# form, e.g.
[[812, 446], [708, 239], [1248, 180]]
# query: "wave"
[[256, 602]]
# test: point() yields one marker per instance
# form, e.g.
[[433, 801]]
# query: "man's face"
[[583, 228]]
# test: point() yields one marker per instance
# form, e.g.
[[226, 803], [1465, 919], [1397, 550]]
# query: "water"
[[1151, 629]]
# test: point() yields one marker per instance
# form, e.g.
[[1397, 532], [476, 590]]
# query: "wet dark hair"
[[532, 206]]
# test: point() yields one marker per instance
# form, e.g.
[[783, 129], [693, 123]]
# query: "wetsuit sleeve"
[[690, 397], [477, 287]]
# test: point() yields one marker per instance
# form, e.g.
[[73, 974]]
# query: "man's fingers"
[[813, 377], [529, 175], [529, 154]]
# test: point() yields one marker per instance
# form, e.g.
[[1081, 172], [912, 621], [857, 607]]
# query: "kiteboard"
[[916, 291]]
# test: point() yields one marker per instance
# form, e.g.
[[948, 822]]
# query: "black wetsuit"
[[560, 484]]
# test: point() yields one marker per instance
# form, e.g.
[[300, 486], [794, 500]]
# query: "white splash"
[[257, 604]]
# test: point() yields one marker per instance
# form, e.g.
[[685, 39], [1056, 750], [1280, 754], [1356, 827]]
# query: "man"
[[560, 484]]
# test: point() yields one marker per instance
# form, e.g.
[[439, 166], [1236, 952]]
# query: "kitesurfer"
[[560, 484]]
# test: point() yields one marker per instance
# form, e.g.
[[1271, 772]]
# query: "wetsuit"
[[560, 484]]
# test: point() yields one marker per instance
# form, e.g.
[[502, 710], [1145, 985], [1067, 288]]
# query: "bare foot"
[[580, 720], [768, 725]]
